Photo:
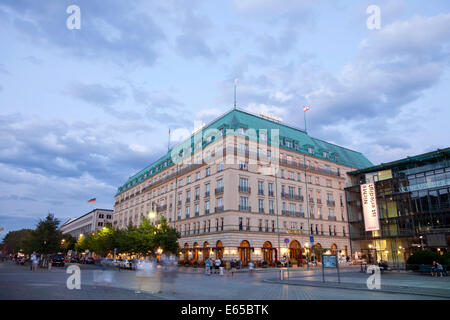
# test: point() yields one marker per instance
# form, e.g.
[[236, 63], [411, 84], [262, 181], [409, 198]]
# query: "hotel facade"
[[246, 187]]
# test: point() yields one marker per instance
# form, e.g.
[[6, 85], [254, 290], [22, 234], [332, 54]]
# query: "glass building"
[[412, 198]]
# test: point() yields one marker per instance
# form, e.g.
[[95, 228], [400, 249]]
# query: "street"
[[18, 282]]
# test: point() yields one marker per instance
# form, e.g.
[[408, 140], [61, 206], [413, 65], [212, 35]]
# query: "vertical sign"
[[370, 208]]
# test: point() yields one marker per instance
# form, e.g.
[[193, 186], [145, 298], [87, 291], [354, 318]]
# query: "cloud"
[[96, 94], [115, 30]]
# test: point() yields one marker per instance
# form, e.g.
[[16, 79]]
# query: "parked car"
[[107, 262], [74, 260], [57, 260], [89, 260], [126, 264], [117, 262]]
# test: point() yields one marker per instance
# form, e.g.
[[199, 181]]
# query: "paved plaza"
[[18, 282]]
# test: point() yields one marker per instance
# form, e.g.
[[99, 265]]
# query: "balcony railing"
[[245, 189], [161, 208], [188, 200], [206, 194], [179, 202], [332, 218], [260, 192], [271, 193], [331, 203], [218, 209], [197, 197], [206, 211], [289, 196], [298, 165], [261, 210], [319, 201], [218, 190], [245, 208], [271, 211], [291, 213]]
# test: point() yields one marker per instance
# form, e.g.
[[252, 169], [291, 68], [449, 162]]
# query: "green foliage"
[[14, 239], [45, 239], [68, 243], [166, 237], [142, 240], [425, 257]]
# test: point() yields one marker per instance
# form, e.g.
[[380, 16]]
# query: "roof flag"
[[305, 108], [93, 200]]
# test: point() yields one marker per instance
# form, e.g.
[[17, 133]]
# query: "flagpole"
[[304, 118], [235, 84], [168, 143]]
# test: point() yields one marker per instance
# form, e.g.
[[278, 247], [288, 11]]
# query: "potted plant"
[[264, 264], [293, 263], [195, 264]]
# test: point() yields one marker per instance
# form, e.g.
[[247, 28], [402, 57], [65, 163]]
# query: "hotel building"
[[246, 187]]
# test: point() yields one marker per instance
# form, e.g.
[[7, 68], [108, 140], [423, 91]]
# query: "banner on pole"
[[370, 208]]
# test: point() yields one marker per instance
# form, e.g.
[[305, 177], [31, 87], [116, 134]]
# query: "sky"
[[81, 110]]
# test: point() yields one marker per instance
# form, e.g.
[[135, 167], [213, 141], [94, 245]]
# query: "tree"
[[167, 237], [46, 238], [14, 239], [144, 238], [68, 243]]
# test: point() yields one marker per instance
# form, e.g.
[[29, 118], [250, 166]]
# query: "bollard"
[[362, 267], [221, 271], [281, 274]]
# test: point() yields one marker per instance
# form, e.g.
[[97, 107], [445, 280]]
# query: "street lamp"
[[152, 216]]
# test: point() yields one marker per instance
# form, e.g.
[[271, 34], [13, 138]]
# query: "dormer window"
[[242, 130], [262, 136], [325, 155], [311, 150]]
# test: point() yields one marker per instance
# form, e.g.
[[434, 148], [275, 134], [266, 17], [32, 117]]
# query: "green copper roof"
[[291, 138]]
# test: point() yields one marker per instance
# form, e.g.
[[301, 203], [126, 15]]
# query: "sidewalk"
[[391, 282]]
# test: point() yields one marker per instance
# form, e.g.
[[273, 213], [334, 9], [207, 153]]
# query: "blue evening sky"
[[82, 110]]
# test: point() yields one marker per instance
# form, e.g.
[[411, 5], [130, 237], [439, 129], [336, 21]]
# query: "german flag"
[[93, 200]]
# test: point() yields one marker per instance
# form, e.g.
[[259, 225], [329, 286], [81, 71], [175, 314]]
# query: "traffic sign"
[[286, 240], [311, 239]]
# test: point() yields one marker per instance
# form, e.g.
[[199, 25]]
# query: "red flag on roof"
[[92, 200], [305, 108]]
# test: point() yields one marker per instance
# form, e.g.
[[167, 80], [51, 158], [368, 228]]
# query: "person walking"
[[439, 270], [33, 260], [233, 267], [217, 264], [250, 267], [207, 266]]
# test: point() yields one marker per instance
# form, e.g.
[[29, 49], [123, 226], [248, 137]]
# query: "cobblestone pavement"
[[18, 282]]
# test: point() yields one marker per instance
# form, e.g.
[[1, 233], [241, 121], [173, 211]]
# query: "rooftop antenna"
[[235, 84]]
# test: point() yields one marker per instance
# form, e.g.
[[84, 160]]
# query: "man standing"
[[217, 265]]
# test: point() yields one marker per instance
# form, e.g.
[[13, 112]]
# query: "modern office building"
[[411, 208], [87, 223], [246, 187]]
